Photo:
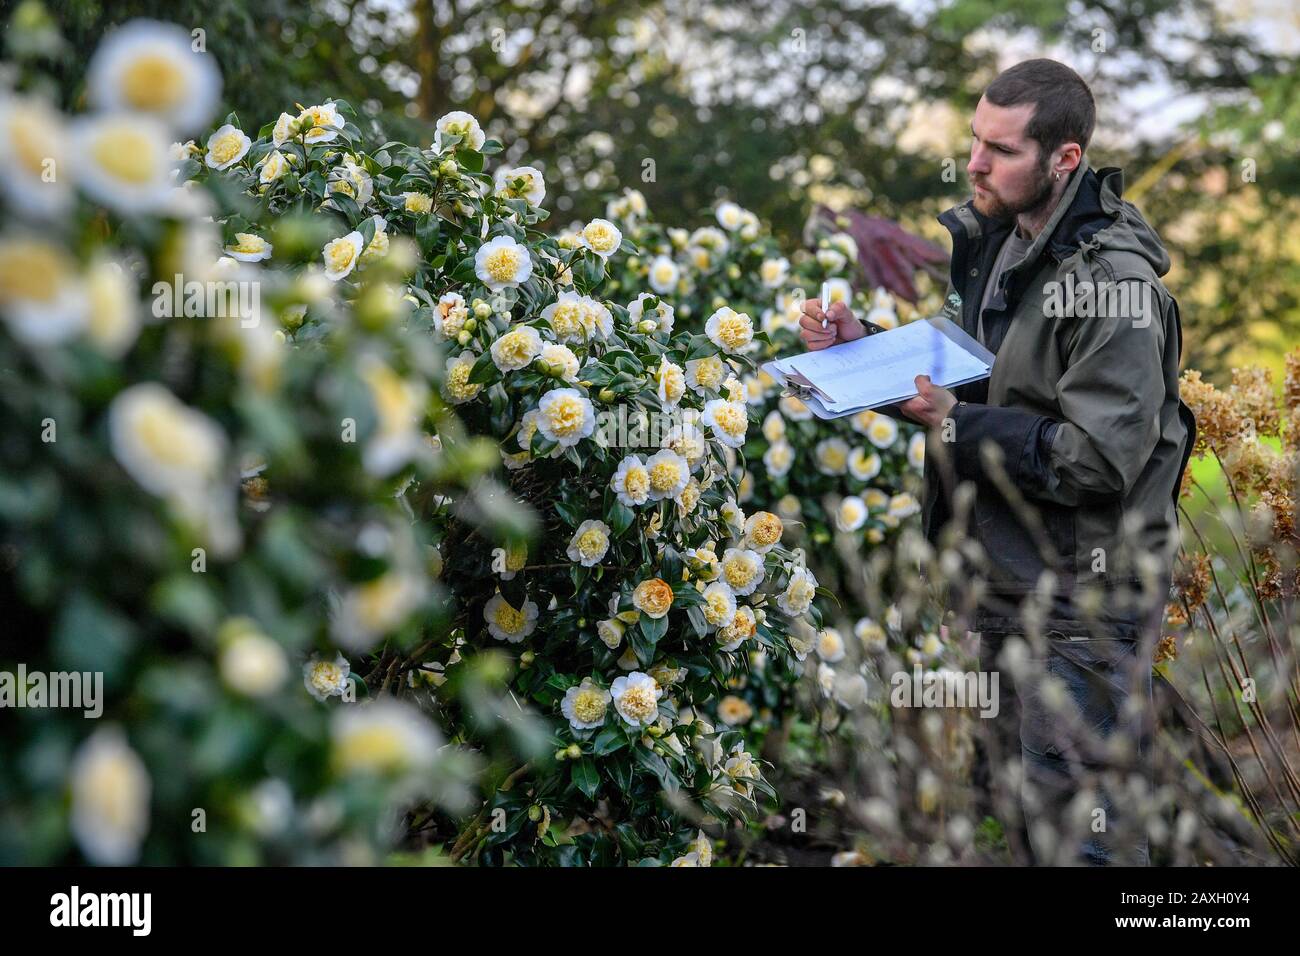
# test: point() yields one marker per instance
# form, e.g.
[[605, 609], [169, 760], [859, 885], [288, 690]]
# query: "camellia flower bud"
[[574, 751], [482, 309], [534, 813], [470, 324], [526, 658], [647, 326], [448, 167], [561, 753], [606, 395], [462, 338]]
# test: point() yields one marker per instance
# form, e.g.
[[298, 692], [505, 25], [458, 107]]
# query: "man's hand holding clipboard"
[[821, 329]]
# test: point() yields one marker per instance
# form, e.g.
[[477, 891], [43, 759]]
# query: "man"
[[1075, 448]]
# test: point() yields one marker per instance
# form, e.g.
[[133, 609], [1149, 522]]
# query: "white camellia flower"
[[585, 705], [351, 180], [730, 216], [729, 421], [851, 513], [742, 627], [779, 458], [227, 146], [561, 357], [916, 451], [250, 663], [719, 607], [502, 263], [566, 316], [566, 416], [631, 481], [398, 404], [743, 570], [325, 678], [517, 348], [864, 465], [506, 622], [903, 505], [602, 237], [729, 330], [661, 314], [124, 161], [763, 531], [672, 383], [597, 320], [342, 255], [882, 432], [830, 645], [794, 409], [832, 260], [636, 698], [34, 157], [832, 456], [249, 247], [521, 182], [871, 634], [110, 799], [462, 124], [272, 167], [167, 447], [773, 273], [706, 374], [150, 67], [374, 608], [42, 298], [326, 123], [799, 592], [839, 290], [663, 275], [113, 312], [590, 543], [384, 737], [450, 315], [456, 386], [669, 472], [774, 426]]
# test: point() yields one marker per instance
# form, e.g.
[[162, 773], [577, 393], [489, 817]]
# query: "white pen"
[[826, 303]]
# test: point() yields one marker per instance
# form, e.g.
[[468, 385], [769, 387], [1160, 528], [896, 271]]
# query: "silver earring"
[[1058, 177]]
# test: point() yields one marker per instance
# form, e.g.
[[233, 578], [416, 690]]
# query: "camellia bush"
[[196, 516], [607, 575]]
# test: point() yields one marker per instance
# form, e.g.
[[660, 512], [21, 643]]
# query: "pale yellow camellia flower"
[[565, 317], [864, 465], [249, 247], [631, 481], [799, 592], [774, 426], [41, 296], [636, 698], [916, 451], [653, 597], [506, 622], [589, 543], [456, 386], [342, 255], [521, 182], [602, 237], [417, 202], [376, 607], [672, 383], [610, 631], [743, 570], [462, 124], [517, 348], [669, 473], [34, 156], [502, 263], [145, 66], [566, 416], [273, 167], [113, 316], [110, 799], [729, 421], [772, 272], [377, 248], [250, 663], [830, 645], [763, 531], [382, 738], [742, 627], [325, 678], [450, 315], [398, 404], [779, 458], [167, 447], [561, 359], [719, 607], [585, 705], [734, 711], [851, 513], [729, 330], [832, 456], [123, 161], [882, 432], [227, 146], [706, 373], [325, 123], [663, 275]]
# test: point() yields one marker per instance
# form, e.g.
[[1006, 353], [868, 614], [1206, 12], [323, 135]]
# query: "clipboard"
[[824, 405]]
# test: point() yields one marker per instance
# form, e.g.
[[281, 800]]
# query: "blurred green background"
[[781, 105]]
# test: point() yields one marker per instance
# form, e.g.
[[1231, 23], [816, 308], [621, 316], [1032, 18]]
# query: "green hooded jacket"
[[1082, 410]]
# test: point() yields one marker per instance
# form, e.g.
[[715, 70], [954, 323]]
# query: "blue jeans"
[[1064, 735]]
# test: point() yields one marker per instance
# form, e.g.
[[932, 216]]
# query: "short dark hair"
[[1064, 110]]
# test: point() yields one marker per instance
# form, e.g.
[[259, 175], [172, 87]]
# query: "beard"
[[995, 207]]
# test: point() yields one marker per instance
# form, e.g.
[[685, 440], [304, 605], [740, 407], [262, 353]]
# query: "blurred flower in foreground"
[[110, 799]]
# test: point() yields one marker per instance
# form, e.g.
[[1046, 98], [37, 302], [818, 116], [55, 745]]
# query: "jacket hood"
[[1100, 218]]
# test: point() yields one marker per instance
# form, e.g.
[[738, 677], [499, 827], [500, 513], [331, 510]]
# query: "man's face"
[[1006, 169]]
